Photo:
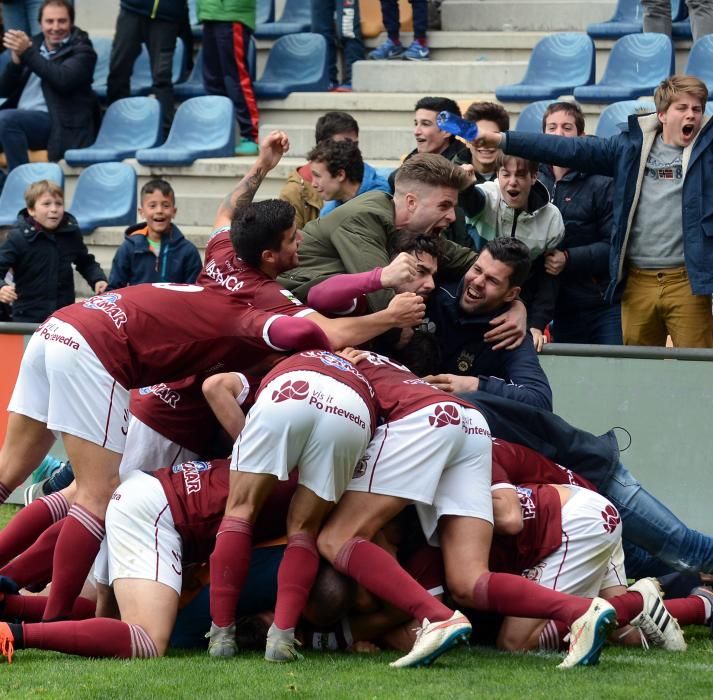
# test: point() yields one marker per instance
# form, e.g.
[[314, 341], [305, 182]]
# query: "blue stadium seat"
[[681, 26], [628, 18], [128, 125], [637, 64], [102, 45], [296, 17], [105, 195], [264, 12], [700, 61], [196, 26], [296, 63], [18, 180], [709, 109], [530, 119], [558, 64], [204, 127], [616, 115]]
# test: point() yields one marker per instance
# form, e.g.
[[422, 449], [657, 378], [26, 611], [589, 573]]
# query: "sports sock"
[[376, 570], [396, 38], [77, 547], [552, 636], [627, 606], [29, 523], [229, 566], [295, 577], [30, 608], [34, 565], [4, 493], [689, 611]]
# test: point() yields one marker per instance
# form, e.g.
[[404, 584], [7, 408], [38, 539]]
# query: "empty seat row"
[[628, 18]]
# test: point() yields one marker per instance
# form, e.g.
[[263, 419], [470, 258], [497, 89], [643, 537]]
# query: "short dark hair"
[[157, 184], [422, 354], [513, 253], [571, 108], [60, 3], [405, 242], [332, 123], [438, 104], [491, 111], [260, 226], [339, 155], [331, 597]]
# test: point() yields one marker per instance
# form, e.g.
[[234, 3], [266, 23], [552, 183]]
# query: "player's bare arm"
[[221, 392]]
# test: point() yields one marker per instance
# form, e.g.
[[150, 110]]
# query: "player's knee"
[[461, 590], [329, 544], [512, 642]]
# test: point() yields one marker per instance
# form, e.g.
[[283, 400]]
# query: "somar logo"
[[107, 304], [297, 390], [444, 415]]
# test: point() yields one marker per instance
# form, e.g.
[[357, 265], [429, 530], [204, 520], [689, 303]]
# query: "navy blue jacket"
[[514, 374], [135, 263], [585, 202], [622, 158], [42, 266]]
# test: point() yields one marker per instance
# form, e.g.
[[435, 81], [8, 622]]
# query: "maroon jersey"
[[399, 392], [155, 333], [224, 271], [331, 365], [196, 493]]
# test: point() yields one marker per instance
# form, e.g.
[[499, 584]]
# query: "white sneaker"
[[659, 627], [435, 638], [588, 634], [221, 641], [280, 646]]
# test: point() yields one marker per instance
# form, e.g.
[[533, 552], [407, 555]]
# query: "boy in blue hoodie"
[[155, 250]]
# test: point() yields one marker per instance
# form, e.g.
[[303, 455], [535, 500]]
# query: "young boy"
[[155, 250], [41, 248]]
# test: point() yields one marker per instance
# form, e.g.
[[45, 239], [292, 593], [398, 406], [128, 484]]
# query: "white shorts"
[[63, 384], [307, 419], [440, 457], [141, 540], [591, 557], [148, 450]]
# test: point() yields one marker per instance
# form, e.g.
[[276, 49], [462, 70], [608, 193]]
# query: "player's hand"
[[8, 294], [538, 338], [469, 170], [407, 310], [452, 383], [400, 270], [405, 338], [352, 355], [100, 287], [555, 261], [488, 139], [272, 148], [508, 329], [17, 42]]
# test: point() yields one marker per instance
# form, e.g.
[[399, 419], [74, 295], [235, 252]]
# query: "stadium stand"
[[264, 12], [637, 64], [627, 19], [12, 198], [558, 64], [681, 23], [296, 63], [530, 118], [141, 80], [105, 195], [296, 17], [204, 127], [700, 61], [102, 45], [129, 124], [617, 113]]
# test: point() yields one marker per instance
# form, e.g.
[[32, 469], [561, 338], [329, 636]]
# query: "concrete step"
[[547, 16]]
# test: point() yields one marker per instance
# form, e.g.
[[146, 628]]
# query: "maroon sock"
[[4, 492], [396, 38], [229, 566], [30, 523], [508, 594], [688, 611], [100, 637], [376, 570], [77, 547], [34, 565], [30, 608], [297, 572], [552, 636], [421, 40], [627, 606]]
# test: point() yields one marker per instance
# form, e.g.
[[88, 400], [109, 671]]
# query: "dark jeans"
[[390, 17], [132, 31], [600, 326], [348, 33], [20, 130]]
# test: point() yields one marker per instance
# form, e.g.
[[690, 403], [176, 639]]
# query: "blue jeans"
[[20, 130], [653, 527], [22, 14], [600, 326], [348, 33]]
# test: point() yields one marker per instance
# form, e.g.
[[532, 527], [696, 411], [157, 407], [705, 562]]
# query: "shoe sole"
[[414, 58], [604, 624], [455, 638], [283, 661], [386, 58]]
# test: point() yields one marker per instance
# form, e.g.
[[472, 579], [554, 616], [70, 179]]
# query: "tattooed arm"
[[272, 148]]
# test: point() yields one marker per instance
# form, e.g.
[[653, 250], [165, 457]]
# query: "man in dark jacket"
[[40, 249], [48, 85], [581, 260]]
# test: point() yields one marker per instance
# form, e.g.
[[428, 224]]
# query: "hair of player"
[[491, 111], [438, 104], [405, 242], [339, 155], [332, 123], [431, 170], [422, 354], [331, 597], [513, 253], [502, 159], [260, 226], [37, 189], [157, 185], [570, 108], [675, 86]]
